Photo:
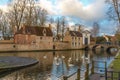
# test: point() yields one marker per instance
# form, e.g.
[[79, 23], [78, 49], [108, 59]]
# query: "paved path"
[[96, 77]]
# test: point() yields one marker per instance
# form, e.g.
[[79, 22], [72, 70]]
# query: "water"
[[54, 65]]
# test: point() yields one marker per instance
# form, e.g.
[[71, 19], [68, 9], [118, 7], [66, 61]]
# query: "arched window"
[[44, 32]]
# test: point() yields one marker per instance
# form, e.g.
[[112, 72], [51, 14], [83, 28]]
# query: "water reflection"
[[56, 64]]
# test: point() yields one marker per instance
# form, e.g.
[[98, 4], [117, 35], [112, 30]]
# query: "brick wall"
[[61, 45]]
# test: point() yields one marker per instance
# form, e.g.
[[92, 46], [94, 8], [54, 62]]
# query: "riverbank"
[[115, 65], [30, 48]]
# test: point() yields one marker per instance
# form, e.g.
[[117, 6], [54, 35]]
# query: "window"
[[72, 38], [75, 44], [41, 38], [75, 38], [72, 43], [44, 32], [86, 41]]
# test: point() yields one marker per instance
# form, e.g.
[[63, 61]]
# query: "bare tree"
[[63, 23], [16, 12], [43, 17], [37, 11], [95, 30], [58, 26], [114, 10], [29, 12], [0, 12], [40, 16], [0, 18], [4, 24], [51, 20]]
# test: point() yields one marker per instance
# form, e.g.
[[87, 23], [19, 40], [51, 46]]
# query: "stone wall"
[[36, 46], [61, 45], [7, 47]]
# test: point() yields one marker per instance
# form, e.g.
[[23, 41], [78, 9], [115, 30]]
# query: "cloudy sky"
[[77, 11]]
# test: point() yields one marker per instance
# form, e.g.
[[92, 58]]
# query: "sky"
[[83, 12]]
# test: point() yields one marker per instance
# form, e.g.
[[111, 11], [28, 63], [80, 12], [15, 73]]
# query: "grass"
[[115, 65]]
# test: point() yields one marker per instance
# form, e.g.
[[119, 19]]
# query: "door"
[[86, 41]]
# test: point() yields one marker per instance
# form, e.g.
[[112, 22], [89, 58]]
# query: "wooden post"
[[112, 75], [119, 75], [92, 69], [78, 74], [64, 77], [87, 72], [105, 71]]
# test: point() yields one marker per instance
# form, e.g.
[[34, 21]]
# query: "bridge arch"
[[97, 46], [110, 47]]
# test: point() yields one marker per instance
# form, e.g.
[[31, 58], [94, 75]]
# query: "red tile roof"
[[75, 33], [35, 30]]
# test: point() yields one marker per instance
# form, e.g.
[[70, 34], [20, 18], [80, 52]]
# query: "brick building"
[[40, 36], [74, 38], [77, 39]]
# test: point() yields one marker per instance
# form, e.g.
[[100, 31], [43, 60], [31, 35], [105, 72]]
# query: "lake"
[[55, 64]]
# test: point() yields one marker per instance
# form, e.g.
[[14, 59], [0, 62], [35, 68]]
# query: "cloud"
[[48, 5], [93, 11], [4, 8]]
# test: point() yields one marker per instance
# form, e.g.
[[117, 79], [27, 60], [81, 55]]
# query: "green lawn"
[[115, 65]]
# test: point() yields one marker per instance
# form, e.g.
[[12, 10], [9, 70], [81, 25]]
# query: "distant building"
[[77, 39], [86, 37], [34, 35], [42, 38]]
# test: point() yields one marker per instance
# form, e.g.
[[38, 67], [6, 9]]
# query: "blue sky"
[[3, 2], [78, 11]]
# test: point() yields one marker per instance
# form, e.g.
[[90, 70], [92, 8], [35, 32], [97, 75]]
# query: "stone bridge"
[[106, 47]]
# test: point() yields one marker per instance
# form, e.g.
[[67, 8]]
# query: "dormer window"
[[44, 32]]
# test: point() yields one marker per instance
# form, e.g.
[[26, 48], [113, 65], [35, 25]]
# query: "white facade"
[[86, 37]]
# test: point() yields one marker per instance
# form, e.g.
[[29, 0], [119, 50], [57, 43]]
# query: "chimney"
[[79, 28], [23, 27], [68, 29], [50, 26], [14, 30]]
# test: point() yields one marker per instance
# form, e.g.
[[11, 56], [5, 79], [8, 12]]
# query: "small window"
[[75, 43], [40, 37], [72, 38], [44, 32], [72, 43], [33, 42], [75, 38]]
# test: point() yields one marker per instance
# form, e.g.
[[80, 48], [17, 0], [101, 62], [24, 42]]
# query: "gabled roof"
[[86, 31], [75, 33], [35, 30]]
